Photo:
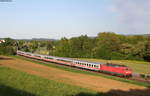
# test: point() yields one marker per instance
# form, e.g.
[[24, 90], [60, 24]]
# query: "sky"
[[69, 18]]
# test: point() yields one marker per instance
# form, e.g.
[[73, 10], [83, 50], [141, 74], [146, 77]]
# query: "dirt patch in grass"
[[86, 81]]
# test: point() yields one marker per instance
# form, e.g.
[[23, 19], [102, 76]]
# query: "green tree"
[[8, 47], [142, 50], [107, 43], [62, 48]]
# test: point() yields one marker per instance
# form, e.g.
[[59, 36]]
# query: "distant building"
[[2, 41]]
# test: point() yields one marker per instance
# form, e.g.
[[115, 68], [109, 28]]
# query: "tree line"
[[106, 45]]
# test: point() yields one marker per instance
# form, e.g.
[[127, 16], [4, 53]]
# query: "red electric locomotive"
[[116, 69]]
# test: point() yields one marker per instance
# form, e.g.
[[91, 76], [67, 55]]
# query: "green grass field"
[[66, 68], [136, 66], [17, 83]]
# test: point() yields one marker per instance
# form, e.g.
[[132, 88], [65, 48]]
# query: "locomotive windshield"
[[115, 65]]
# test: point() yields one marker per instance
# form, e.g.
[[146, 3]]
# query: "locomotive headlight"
[[128, 72]]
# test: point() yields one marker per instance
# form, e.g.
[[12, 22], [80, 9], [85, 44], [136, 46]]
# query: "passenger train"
[[114, 69]]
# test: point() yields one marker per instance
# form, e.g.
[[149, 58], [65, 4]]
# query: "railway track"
[[135, 77]]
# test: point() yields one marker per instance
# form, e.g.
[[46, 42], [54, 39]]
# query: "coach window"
[[87, 64]]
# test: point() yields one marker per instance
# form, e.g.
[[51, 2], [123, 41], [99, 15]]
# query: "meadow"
[[17, 78], [17, 83]]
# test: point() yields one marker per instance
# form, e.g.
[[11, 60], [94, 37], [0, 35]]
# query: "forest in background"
[[106, 45]]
